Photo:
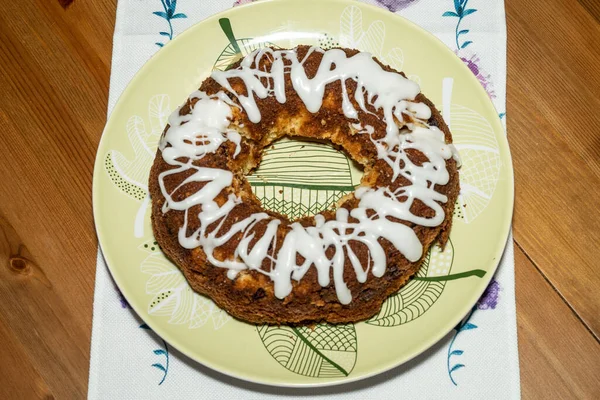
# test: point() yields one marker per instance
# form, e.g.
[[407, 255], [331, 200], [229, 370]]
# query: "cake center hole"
[[299, 177]]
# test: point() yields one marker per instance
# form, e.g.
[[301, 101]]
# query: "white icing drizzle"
[[206, 127]]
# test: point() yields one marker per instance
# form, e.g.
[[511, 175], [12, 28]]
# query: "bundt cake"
[[337, 266]]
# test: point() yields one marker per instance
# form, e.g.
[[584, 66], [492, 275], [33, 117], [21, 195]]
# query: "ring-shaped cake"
[[339, 265]]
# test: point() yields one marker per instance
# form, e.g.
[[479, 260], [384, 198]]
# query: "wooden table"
[[54, 75]]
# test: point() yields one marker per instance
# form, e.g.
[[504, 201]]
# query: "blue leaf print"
[[461, 327], [160, 352], [468, 326], [457, 366], [460, 11], [161, 14], [488, 301], [169, 7], [159, 366]]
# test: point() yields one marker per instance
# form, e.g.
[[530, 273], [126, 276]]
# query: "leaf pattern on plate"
[[299, 178], [414, 299], [479, 151], [237, 48], [173, 297], [322, 351], [131, 174], [120, 180], [353, 35]]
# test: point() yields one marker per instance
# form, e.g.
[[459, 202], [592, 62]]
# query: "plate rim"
[[503, 237]]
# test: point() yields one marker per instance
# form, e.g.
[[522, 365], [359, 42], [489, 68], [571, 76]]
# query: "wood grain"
[[592, 7], [40, 320], [23, 382], [54, 70], [559, 357], [54, 74], [65, 3], [554, 95]]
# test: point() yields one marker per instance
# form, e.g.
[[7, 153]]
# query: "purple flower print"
[[395, 5], [122, 300], [472, 61], [489, 298], [241, 2]]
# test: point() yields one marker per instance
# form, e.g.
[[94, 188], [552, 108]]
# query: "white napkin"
[[479, 361]]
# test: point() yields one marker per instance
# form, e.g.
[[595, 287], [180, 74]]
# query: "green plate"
[[410, 321]]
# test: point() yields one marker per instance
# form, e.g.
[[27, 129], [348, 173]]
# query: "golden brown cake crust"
[[250, 296]]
